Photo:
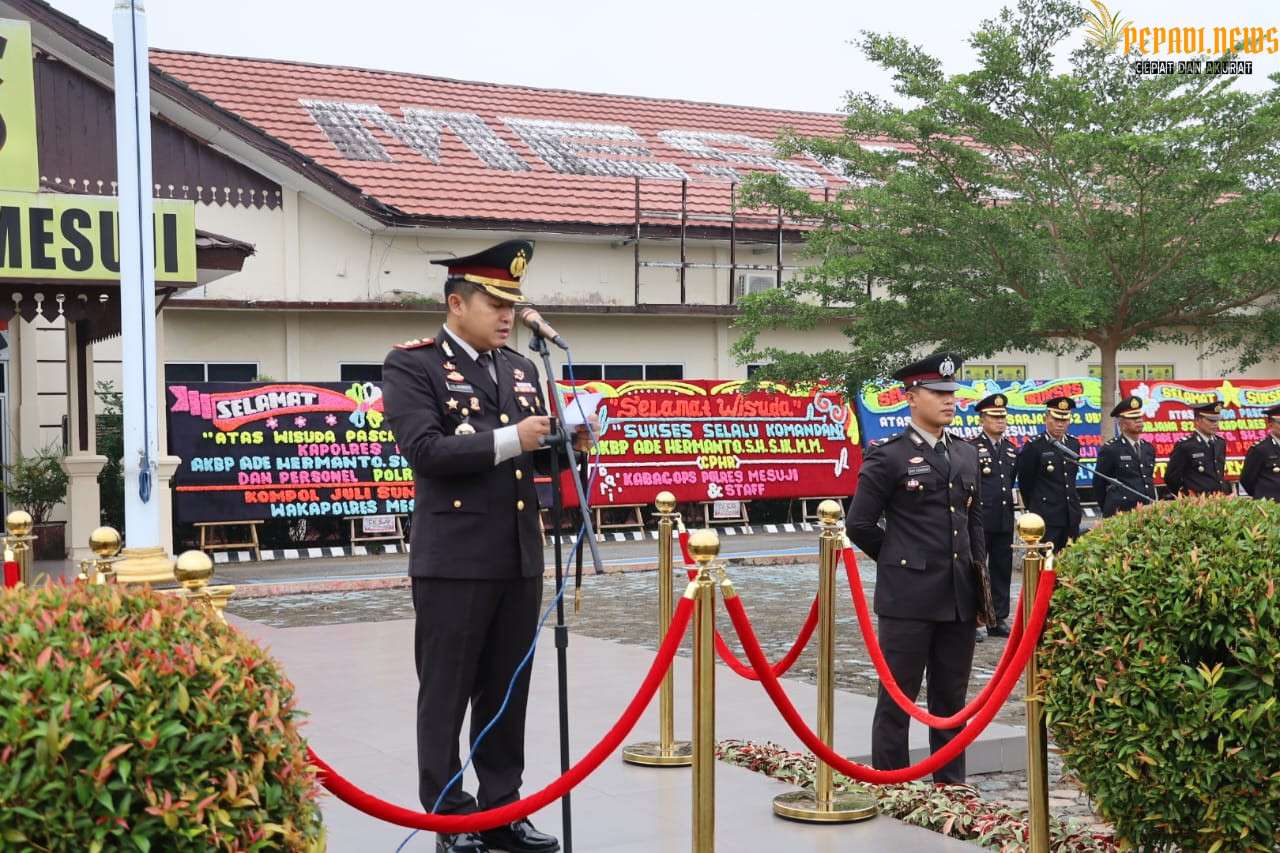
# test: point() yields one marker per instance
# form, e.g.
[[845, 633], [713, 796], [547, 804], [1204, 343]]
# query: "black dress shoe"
[[1000, 629], [463, 842], [520, 837]]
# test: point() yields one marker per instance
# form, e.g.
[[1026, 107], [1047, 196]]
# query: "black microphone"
[[540, 327], [1075, 457]]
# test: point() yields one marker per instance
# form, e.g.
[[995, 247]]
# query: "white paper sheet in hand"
[[581, 406]]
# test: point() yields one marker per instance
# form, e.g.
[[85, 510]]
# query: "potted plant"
[[37, 484]]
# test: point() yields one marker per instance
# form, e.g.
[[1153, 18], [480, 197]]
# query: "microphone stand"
[[565, 441], [1112, 480]]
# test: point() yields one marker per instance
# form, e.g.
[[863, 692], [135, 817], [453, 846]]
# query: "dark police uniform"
[[1133, 466], [476, 559], [1261, 474], [1047, 480], [926, 555], [996, 462], [1198, 466]]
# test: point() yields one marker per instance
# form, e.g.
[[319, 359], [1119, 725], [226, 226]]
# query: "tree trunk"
[[1107, 350]]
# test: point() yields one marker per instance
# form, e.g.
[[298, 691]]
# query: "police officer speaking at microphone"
[[1047, 475], [468, 414], [1198, 463], [1126, 458], [1261, 474], [996, 460], [924, 484]]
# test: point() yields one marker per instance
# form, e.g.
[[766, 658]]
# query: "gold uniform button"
[[904, 562], [955, 555], [519, 474], [457, 504], [503, 417], [519, 505]]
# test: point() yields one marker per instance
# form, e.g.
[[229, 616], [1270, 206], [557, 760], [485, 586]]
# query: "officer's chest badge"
[[465, 428], [915, 460], [475, 403], [913, 485], [448, 350], [449, 365], [452, 404], [455, 376], [517, 373]]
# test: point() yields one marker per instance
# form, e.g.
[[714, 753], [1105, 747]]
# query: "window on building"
[[623, 372], [970, 372], [1011, 372], [1136, 372], [212, 371], [183, 372], [619, 372], [355, 372], [753, 369], [664, 371]]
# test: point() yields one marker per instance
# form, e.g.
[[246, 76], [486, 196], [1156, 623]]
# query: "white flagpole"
[[137, 273]]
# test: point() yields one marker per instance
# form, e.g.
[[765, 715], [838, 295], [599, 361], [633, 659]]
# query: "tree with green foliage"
[[1015, 207]]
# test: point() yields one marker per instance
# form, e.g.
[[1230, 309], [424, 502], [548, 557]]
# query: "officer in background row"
[[924, 484], [997, 459], [1047, 476], [1198, 463], [468, 415], [1261, 474], [1126, 458]]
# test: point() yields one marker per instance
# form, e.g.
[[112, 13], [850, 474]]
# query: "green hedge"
[[1160, 670], [135, 721]]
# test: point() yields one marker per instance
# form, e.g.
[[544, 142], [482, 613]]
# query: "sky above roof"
[[794, 56]]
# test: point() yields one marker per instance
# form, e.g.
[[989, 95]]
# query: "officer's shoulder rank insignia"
[[416, 343]]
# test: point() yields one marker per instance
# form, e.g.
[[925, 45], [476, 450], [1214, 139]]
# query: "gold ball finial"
[[1030, 528], [193, 569], [18, 523], [665, 502], [104, 542], [704, 545], [830, 512]]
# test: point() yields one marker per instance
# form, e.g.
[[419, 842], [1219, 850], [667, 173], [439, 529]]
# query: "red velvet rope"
[[953, 748], [353, 796], [726, 654], [886, 676]]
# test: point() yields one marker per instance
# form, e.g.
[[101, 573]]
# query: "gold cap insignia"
[[518, 265], [999, 401], [1064, 406], [1135, 403]]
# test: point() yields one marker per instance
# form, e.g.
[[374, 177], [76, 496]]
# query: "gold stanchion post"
[[1031, 531], [822, 804], [105, 544], [18, 525], [666, 751], [193, 570], [705, 547]]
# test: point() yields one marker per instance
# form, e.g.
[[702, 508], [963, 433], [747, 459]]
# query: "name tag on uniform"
[[525, 388], [913, 470], [1197, 455], [460, 387], [1126, 458]]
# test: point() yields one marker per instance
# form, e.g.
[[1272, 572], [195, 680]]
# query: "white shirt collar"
[[466, 347], [930, 437]]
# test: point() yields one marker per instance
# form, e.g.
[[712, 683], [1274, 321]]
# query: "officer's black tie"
[[485, 360], [941, 449]]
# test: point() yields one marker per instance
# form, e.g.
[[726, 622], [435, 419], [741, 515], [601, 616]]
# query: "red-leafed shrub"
[[133, 720]]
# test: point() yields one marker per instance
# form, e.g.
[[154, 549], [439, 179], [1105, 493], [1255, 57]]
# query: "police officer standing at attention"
[[1126, 458], [924, 483], [1047, 476], [996, 460], [1261, 474], [1198, 463], [468, 415]]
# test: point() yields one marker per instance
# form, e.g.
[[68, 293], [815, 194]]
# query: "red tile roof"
[[437, 149]]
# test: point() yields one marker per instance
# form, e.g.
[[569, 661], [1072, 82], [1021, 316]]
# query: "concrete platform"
[[357, 683]]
